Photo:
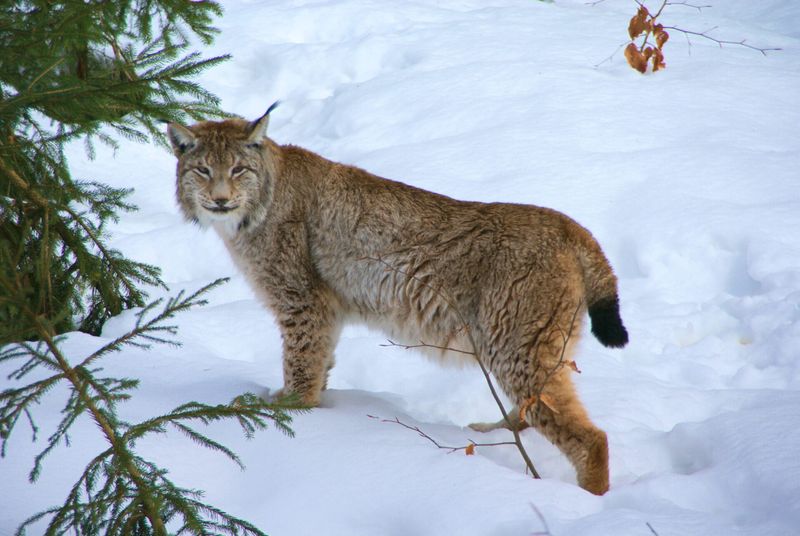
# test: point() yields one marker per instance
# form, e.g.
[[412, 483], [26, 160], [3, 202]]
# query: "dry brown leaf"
[[635, 58], [661, 37], [470, 450], [638, 23], [574, 366], [658, 60], [548, 401], [544, 398]]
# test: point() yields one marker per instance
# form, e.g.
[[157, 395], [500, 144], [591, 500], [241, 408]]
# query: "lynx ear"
[[258, 128], [182, 138]]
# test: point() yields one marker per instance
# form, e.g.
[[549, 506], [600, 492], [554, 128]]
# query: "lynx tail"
[[602, 300], [606, 323]]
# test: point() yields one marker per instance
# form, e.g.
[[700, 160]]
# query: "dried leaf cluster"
[[646, 26]]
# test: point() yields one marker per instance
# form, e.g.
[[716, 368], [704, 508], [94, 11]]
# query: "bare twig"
[[649, 526], [425, 345], [539, 514], [722, 42], [472, 444], [611, 57], [565, 337], [687, 4], [658, 13]]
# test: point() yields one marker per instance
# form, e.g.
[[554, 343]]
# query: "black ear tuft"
[[257, 130], [255, 124], [272, 107]]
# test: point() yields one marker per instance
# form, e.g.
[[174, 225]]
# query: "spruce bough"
[[86, 71], [120, 492], [97, 71]]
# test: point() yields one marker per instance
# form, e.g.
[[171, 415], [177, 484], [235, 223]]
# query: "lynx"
[[323, 244]]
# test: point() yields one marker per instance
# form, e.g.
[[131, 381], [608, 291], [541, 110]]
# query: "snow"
[[688, 178]]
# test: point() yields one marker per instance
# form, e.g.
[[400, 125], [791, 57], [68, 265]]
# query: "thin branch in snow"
[[722, 42], [468, 448], [687, 4], [425, 345], [539, 514]]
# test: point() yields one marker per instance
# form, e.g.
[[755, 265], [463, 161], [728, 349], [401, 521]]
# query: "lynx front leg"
[[310, 332]]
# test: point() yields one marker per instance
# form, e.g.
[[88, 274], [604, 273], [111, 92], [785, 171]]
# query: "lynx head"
[[225, 171]]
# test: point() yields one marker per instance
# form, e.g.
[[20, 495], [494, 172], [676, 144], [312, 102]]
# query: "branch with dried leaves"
[[648, 54], [646, 25]]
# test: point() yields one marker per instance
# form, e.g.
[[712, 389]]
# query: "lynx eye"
[[202, 170], [237, 170]]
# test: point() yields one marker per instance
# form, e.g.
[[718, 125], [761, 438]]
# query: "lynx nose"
[[221, 201]]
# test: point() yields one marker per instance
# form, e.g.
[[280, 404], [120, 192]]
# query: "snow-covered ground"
[[689, 178]]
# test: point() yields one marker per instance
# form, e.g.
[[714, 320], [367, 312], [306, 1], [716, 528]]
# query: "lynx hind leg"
[[541, 383], [563, 420]]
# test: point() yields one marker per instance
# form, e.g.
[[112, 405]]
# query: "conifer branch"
[[35, 196], [119, 448], [119, 490], [84, 67]]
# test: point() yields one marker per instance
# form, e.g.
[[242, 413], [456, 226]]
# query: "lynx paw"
[[593, 475], [287, 397]]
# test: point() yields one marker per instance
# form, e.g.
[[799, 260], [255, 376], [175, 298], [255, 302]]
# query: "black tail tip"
[[606, 323]]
